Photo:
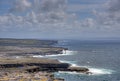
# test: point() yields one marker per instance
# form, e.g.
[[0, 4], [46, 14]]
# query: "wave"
[[67, 52], [94, 71], [100, 71], [72, 63], [67, 72]]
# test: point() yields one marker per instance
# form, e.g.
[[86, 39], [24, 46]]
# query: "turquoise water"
[[101, 57]]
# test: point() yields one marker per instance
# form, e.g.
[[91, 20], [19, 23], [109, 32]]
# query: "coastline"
[[25, 48]]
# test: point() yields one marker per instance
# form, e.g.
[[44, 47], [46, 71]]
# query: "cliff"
[[28, 47], [34, 64], [10, 49]]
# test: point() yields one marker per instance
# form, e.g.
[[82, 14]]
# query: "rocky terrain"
[[36, 69], [39, 64], [28, 47]]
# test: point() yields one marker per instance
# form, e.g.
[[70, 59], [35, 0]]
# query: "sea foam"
[[93, 71], [100, 71]]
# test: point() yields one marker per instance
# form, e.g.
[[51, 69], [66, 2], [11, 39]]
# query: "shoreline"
[[25, 48], [32, 66]]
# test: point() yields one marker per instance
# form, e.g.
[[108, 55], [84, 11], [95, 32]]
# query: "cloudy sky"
[[66, 19]]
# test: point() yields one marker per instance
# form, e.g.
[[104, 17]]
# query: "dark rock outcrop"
[[49, 67], [78, 69]]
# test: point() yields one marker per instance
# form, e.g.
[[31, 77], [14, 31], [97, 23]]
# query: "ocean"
[[102, 57]]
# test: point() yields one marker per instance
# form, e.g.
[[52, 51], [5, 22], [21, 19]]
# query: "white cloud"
[[111, 14], [50, 16], [20, 5], [89, 22], [45, 16], [83, 7], [53, 5], [113, 5]]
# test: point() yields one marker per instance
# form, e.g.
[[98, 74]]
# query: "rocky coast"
[[36, 69], [32, 68]]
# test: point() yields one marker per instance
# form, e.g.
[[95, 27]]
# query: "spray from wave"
[[93, 71], [100, 71]]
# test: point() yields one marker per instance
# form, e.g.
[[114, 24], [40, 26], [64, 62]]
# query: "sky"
[[60, 19]]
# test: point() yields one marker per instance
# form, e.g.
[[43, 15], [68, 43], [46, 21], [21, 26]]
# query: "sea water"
[[101, 57]]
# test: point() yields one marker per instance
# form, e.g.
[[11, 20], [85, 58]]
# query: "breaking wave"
[[93, 71], [100, 71]]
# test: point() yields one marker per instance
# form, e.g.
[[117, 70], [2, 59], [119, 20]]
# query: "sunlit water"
[[101, 57]]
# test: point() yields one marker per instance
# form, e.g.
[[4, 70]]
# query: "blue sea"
[[102, 57]]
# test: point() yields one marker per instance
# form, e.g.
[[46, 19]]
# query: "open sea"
[[101, 57]]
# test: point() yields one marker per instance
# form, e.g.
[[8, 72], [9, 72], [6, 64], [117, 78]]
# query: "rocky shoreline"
[[25, 76], [25, 47], [34, 66], [39, 64], [27, 65], [9, 51]]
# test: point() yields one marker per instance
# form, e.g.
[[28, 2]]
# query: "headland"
[[26, 65]]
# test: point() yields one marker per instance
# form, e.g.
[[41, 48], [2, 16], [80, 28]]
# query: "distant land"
[[28, 47]]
